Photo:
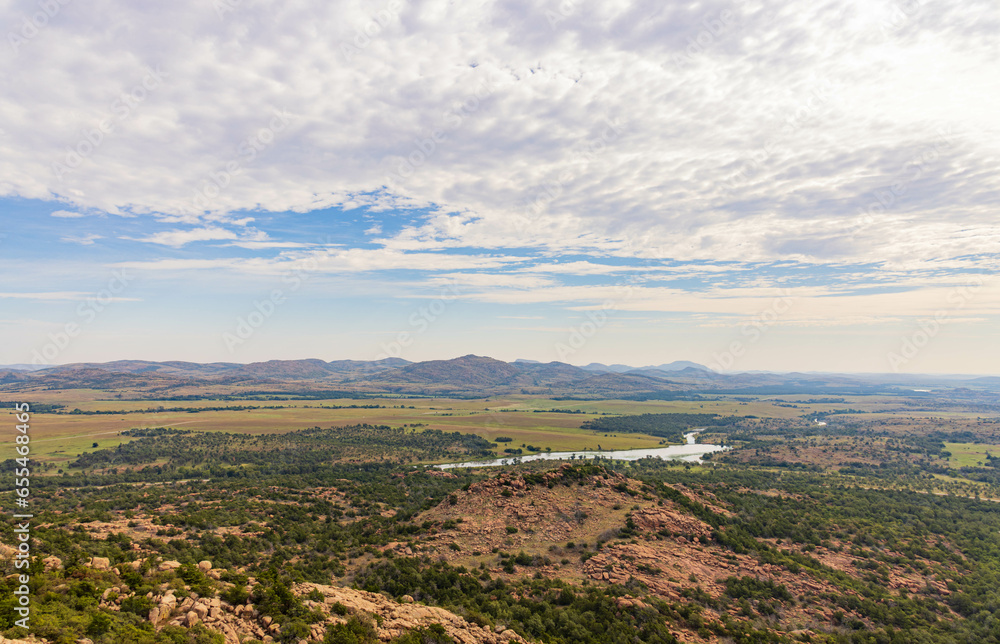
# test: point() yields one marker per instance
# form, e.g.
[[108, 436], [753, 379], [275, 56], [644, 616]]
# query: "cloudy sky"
[[787, 185]]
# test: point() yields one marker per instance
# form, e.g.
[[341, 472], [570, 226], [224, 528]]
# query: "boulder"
[[204, 566], [100, 563], [169, 565], [168, 603]]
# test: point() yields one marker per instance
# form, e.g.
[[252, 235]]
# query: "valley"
[[293, 516]]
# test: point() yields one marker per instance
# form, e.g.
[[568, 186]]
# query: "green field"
[[970, 454], [528, 420], [59, 438]]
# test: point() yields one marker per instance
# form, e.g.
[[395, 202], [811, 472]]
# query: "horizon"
[[756, 186], [520, 359]]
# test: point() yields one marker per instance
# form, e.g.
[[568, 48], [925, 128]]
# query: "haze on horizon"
[[753, 185]]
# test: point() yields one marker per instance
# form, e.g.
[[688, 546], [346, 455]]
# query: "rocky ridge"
[[242, 621]]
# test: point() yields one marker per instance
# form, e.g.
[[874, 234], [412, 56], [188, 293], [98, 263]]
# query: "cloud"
[[332, 261], [64, 296], [177, 238], [501, 280], [974, 299], [83, 240], [265, 245], [637, 129], [684, 160]]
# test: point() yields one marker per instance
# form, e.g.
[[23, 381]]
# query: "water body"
[[692, 451]]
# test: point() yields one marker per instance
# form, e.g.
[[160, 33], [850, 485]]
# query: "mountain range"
[[468, 375]]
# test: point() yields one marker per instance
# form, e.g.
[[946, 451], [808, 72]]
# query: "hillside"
[[467, 371], [588, 524]]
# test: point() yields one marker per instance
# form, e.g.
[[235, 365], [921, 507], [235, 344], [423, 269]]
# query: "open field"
[[59, 438], [970, 454]]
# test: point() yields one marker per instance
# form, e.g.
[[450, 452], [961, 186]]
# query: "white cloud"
[[264, 245], [762, 142], [64, 296], [66, 214], [491, 280], [179, 237], [970, 300], [331, 261], [83, 240]]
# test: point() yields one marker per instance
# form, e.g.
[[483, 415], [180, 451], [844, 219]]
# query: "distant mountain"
[[551, 374], [171, 368], [470, 370], [12, 375], [615, 368], [478, 374], [469, 375], [231, 371], [85, 376], [621, 383], [291, 369], [22, 367], [687, 374], [677, 365]]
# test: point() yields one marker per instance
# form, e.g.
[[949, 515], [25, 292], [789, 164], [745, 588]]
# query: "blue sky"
[[750, 185]]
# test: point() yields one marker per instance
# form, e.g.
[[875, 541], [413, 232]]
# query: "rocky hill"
[[583, 523], [243, 622]]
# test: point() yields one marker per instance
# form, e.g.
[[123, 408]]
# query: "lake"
[[691, 451]]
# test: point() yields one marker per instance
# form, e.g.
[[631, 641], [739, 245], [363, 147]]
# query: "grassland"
[[970, 454], [59, 438]]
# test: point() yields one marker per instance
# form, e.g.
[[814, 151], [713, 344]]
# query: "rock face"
[[242, 622], [52, 563], [398, 618], [100, 563], [561, 508], [658, 519]]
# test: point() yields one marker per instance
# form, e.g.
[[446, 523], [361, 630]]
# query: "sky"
[[751, 185]]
